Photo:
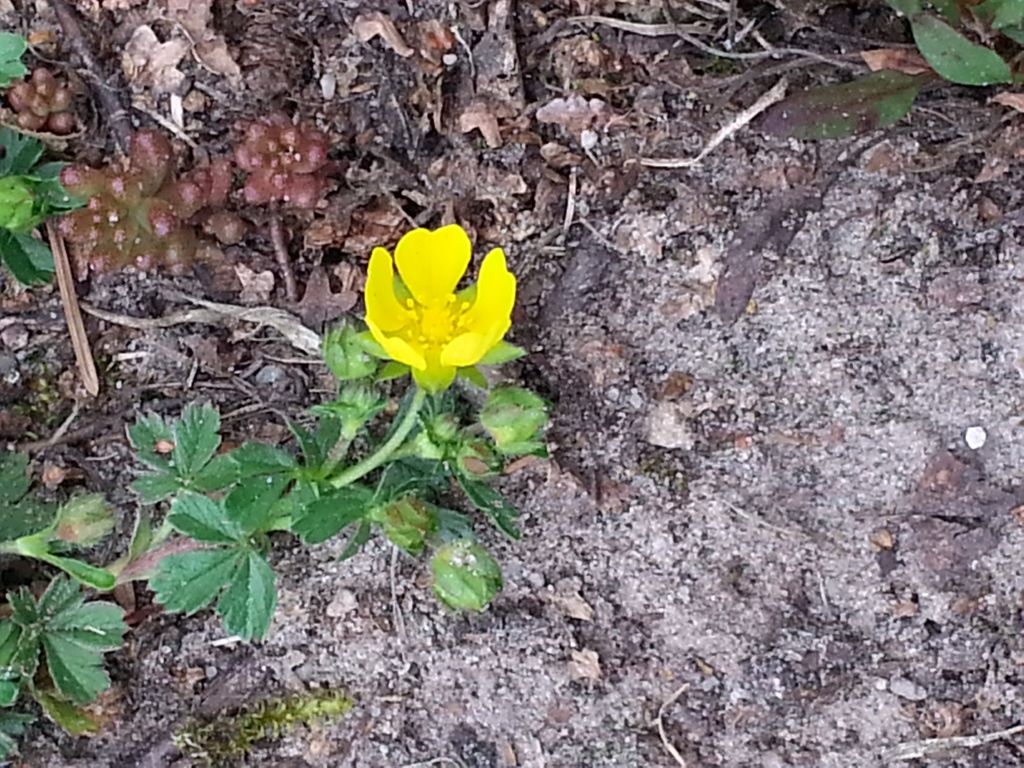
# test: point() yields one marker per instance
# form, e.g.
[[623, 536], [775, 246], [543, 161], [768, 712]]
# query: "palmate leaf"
[[12, 48], [20, 515], [493, 504], [190, 581], [203, 519], [196, 438], [72, 633], [28, 259], [326, 516], [20, 152]]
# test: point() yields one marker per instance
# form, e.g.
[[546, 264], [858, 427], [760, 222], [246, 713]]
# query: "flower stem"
[[382, 454]]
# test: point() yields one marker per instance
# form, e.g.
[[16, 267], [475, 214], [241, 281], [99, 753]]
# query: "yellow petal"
[[495, 297], [397, 348], [431, 263], [381, 305], [464, 350]]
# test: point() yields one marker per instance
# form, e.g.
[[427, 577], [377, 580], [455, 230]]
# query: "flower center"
[[436, 325]]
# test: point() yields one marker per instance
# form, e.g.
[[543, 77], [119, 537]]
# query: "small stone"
[[975, 437], [210, 672], [269, 375], [668, 427], [907, 689], [449, 59], [343, 602], [588, 139], [14, 337]]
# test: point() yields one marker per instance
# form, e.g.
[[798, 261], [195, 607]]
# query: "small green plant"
[[346, 475], [71, 635], [226, 740], [964, 43], [30, 192], [48, 532], [12, 48]]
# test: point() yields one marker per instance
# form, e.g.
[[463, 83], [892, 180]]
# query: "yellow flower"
[[421, 321]]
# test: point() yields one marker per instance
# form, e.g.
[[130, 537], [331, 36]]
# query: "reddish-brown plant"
[[42, 103], [139, 216], [285, 163]]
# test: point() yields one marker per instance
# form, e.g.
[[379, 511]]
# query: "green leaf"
[[12, 48], [345, 354], [356, 543], [392, 370], [20, 152], [1014, 33], [491, 503], [20, 515], [473, 376], [12, 724], [948, 9], [72, 719], [955, 57], [142, 536], [89, 575], [96, 625], [466, 577], [14, 480], [1000, 14], [196, 438], [147, 434], [261, 459], [29, 260], [453, 526], [328, 515], [502, 352], [203, 519], [189, 581], [221, 472], [836, 111], [247, 605], [76, 671], [250, 504], [908, 8], [153, 487]]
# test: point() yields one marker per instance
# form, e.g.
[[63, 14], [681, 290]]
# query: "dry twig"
[[284, 261], [918, 749], [776, 94], [106, 96], [659, 721], [69, 300]]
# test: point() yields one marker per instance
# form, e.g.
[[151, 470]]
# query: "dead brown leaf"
[[433, 40], [1010, 99], [256, 286], [585, 665], [149, 63], [210, 48], [559, 156], [573, 606], [320, 304], [480, 117], [575, 113], [902, 60], [376, 24]]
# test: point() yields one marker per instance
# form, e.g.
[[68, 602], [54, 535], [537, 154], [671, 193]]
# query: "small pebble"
[[343, 602], [975, 437], [449, 59], [588, 139], [907, 689]]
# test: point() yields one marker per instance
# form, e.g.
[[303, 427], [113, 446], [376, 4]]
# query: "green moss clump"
[[227, 739]]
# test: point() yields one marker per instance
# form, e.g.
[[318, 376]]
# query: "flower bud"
[[84, 520], [346, 355], [514, 417], [466, 577], [439, 438], [407, 523], [16, 204]]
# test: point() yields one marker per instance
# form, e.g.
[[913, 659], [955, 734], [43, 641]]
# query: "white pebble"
[[588, 139], [975, 437]]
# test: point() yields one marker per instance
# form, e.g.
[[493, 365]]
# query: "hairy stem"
[[385, 452]]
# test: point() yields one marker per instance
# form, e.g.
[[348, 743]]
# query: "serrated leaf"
[[153, 487], [219, 473], [873, 101], [955, 57], [325, 517], [147, 434], [12, 48], [356, 543], [247, 605], [189, 581], [203, 519], [316, 445], [77, 672], [491, 503], [410, 475], [89, 575], [260, 459], [72, 719], [96, 625], [454, 526], [196, 438], [249, 505], [29, 260], [20, 152]]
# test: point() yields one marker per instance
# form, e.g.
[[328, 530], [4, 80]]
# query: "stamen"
[[410, 303]]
